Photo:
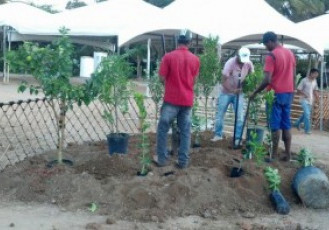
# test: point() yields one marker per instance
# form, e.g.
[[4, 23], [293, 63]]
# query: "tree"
[[137, 53], [52, 68], [159, 3], [3, 1], [210, 69], [46, 7], [74, 4], [299, 10]]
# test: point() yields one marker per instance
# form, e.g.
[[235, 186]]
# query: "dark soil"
[[203, 189]]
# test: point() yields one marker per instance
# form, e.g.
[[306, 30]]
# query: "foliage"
[[3, 1], [210, 69], [273, 178], [302, 67], [157, 89], [46, 7], [305, 157], [299, 10], [159, 3], [256, 148], [143, 127], [269, 97], [93, 207], [74, 4], [52, 68], [196, 119], [137, 53], [249, 85], [110, 82]]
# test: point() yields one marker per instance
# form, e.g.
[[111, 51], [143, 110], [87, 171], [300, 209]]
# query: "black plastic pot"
[[55, 162], [280, 204], [236, 172], [117, 143], [311, 185]]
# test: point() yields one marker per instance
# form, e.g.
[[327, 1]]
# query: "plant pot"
[[311, 185], [280, 203], [236, 172], [196, 145], [117, 143], [55, 162]]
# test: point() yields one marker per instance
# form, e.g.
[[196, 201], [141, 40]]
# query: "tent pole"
[[321, 97], [4, 44], [148, 67], [163, 43]]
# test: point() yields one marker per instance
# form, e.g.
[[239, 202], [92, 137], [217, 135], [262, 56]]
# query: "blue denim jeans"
[[224, 101], [305, 117], [183, 115]]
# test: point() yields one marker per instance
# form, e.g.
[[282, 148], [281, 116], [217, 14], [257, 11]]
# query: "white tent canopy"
[[26, 19], [235, 20], [316, 30]]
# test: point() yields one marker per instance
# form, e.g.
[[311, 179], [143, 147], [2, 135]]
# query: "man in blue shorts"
[[279, 71]]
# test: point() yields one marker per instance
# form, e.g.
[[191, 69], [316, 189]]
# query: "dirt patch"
[[204, 189]]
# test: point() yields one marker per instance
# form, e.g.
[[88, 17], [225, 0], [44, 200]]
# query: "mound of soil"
[[203, 189]]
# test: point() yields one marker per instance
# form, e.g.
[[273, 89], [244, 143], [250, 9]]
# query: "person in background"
[[308, 89], [178, 70], [280, 72], [235, 69]]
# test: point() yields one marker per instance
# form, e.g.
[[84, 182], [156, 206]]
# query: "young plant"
[[269, 97], [110, 82], [273, 178], [210, 69], [305, 158], [157, 89], [249, 85], [196, 120], [51, 66], [145, 159], [257, 149]]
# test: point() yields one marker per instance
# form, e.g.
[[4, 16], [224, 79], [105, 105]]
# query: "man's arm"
[[316, 94], [266, 81]]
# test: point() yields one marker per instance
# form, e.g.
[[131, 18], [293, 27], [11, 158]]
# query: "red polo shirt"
[[179, 69], [281, 65]]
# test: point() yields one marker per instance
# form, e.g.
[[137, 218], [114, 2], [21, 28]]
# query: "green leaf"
[[93, 207]]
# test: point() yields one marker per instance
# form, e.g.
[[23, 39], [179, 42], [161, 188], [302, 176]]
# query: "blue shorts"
[[280, 116]]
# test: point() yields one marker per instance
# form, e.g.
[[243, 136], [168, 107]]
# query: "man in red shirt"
[[178, 70], [279, 71]]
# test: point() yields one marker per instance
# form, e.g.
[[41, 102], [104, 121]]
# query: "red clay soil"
[[204, 189]]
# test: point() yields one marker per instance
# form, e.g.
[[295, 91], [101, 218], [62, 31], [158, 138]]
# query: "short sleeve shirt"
[[179, 69], [281, 63], [307, 86], [233, 70]]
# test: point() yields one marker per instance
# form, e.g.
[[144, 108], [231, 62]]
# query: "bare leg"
[[286, 137], [275, 140]]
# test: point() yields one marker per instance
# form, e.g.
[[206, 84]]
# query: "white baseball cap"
[[244, 54]]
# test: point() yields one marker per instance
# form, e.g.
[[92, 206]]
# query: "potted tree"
[[51, 66], [110, 82], [144, 145], [210, 70], [274, 180], [196, 119], [310, 184]]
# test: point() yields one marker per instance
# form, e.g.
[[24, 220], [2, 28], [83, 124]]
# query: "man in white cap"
[[236, 69]]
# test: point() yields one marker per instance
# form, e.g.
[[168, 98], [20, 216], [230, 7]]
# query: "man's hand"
[[237, 91]]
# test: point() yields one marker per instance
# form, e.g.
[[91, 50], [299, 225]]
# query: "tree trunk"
[[138, 69], [61, 130], [206, 111]]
